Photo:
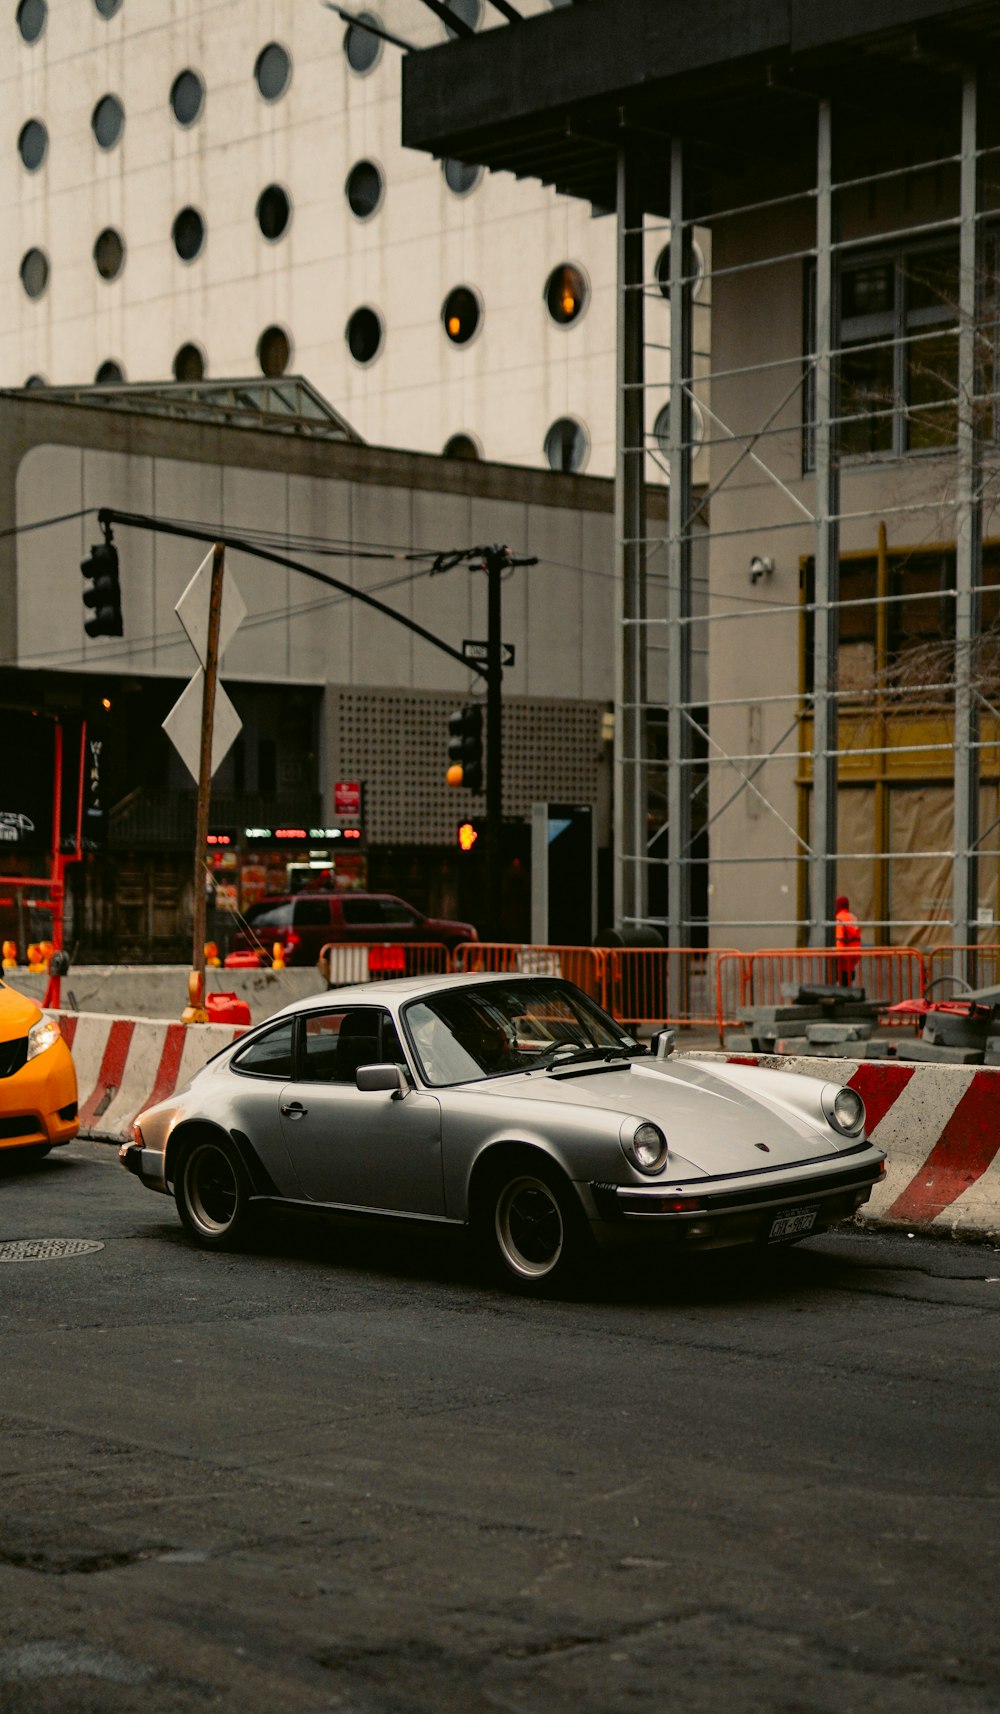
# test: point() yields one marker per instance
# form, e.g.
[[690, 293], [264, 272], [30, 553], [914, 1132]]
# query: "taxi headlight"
[[645, 1146], [844, 1109], [42, 1035]]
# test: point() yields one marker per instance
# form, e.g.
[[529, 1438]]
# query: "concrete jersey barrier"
[[125, 1064], [161, 991], [940, 1127]]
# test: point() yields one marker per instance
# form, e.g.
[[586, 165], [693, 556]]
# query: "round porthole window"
[[460, 177], [461, 314], [273, 351], [36, 381], [34, 272], [187, 97], [566, 445], [661, 428], [109, 254], [362, 49], [189, 364], [566, 294], [107, 8], [364, 189], [470, 12], [364, 335], [110, 374], [188, 233], [272, 71], [32, 144], [462, 446], [697, 278], [31, 15], [108, 121], [273, 211]]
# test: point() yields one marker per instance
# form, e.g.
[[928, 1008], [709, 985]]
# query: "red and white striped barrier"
[[125, 1064], [940, 1127]]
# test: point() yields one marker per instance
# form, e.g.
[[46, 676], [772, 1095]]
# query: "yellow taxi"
[[38, 1100]]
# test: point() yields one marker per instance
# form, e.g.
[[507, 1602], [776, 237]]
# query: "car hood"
[[17, 1014], [709, 1120]]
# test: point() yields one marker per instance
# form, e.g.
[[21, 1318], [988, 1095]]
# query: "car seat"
[[357, 1044]]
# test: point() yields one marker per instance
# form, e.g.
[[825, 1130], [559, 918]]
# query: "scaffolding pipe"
[[822, 868], [630, 883], [679, 562], [968, 552]]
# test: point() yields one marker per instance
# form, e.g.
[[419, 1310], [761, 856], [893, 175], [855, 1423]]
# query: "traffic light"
[[465, 747], [468, 833], [105, 594]]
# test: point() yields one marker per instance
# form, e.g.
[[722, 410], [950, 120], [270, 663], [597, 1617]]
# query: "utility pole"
[[195, 1012], [496, 560]]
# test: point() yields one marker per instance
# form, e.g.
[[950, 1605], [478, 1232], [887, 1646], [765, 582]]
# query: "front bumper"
[[38, 1101], [714, 1213]]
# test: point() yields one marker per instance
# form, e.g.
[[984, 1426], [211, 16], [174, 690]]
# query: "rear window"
[[270, 1055], [270, 916], [312, 913]]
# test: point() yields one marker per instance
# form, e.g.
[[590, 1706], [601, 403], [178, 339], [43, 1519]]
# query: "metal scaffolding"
[[831, 445]]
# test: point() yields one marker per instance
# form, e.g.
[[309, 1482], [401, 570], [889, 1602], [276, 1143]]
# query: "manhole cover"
[[47, 1249]]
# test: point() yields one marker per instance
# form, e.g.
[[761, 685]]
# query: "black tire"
[[212, 1193], [535, 1238]]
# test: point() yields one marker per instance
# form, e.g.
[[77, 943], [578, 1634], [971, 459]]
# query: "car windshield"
[[462, 1035]]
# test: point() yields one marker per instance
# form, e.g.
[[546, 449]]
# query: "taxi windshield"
[[462, 1035]]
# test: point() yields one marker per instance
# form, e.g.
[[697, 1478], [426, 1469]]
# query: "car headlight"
[[42, 1035], [844, 1109], [644, 1145]]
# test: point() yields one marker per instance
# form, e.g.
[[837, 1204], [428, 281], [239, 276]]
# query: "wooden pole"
[[195, 1012]]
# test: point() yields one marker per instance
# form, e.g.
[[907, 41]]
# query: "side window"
[[394, 910], [358, 911], [334, 1044], [319, 1046], [270, 1055], [312, 913]]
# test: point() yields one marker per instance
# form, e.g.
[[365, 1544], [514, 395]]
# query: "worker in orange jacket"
[[847, 938]]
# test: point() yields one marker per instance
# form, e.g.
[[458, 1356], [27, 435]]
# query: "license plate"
[[791, 1223]]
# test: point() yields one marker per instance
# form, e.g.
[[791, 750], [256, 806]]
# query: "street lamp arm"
[[137, 521]]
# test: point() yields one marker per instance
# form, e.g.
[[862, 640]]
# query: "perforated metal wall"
[[396, 742]]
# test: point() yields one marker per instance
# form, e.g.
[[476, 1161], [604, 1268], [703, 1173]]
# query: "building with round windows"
[[224, 194]]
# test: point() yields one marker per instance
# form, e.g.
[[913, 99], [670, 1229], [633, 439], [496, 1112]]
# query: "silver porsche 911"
[[513, 1107]]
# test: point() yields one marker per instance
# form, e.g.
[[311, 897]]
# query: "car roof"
[[401, 988]]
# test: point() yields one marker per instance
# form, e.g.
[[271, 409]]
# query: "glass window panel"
[[867, 399], [932, 391], [270, 1055]]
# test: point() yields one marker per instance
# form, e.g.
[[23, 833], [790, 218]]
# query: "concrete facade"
[[502, 239]]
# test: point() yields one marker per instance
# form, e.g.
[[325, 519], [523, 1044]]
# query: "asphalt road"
[[339, 1474]]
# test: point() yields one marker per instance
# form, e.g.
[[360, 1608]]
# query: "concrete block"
[[825, 1034], [936, 1053], [737, 1041], [790, 1044]]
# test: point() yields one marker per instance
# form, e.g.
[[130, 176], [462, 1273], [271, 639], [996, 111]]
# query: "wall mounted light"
[[760, 568]]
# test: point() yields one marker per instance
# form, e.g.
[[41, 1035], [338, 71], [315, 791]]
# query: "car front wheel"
[[212, 1193], [537, 1237]]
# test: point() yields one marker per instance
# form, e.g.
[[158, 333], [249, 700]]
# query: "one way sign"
[[475, 651]]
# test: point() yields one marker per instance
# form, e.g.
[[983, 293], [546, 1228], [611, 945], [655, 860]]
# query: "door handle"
[[295, 1110]]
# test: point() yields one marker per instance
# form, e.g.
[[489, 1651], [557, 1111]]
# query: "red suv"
[[305, 922]]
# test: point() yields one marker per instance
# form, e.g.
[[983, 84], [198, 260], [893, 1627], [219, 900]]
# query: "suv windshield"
[[466, 1034]]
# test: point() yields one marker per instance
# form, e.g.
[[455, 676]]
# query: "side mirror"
[[370, 1078], [662, 1044]]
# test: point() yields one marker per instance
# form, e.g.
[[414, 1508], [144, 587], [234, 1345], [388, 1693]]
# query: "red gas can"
[[226, 1009]]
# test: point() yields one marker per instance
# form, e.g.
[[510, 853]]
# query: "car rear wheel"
[[212, 1193], [537, 1239]]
